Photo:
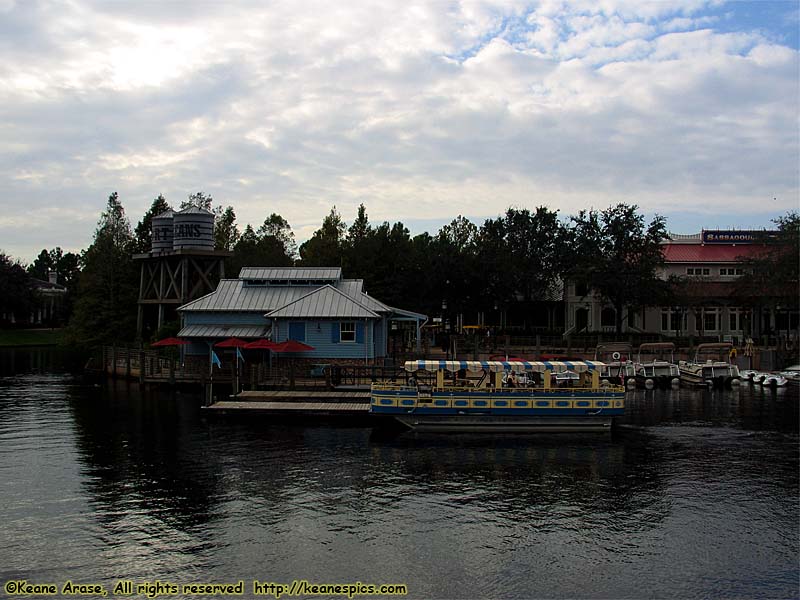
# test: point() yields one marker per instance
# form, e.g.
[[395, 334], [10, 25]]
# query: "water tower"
[[182, 265]]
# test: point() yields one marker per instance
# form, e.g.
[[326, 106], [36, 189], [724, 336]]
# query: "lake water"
[[695, 496]]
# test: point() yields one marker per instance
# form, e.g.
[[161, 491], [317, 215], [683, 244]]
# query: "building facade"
[[316, 306], [707, 265]]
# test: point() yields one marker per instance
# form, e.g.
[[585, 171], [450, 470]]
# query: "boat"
[[656, 367], [617, 364], [469, 396], [711, 366], [773, 380], [749, 375], [792, 375]]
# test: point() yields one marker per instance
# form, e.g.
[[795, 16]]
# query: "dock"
[[293, 403]]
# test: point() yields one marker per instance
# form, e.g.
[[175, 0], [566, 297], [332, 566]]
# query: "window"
[[347, 332], [297, 331], [672, 320], [608, 317], [581, 289], [698, 271], [710, 319]]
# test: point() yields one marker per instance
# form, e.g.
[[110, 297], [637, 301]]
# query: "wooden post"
[[127, 363], [113, 362], [546, 379], [172, 371], [141, 367], [538, 345]]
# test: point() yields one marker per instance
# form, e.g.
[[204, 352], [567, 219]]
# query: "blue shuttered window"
[[359, 333], [297, 331], [335, 333]]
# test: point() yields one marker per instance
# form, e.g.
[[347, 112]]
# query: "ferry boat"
[[469, 396], [711, 366], [655, 366]]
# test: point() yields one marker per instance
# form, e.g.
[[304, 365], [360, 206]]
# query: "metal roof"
[[709, 253], [325, 302], [351, 287], [224, 331], [232, 295], [292, 273]]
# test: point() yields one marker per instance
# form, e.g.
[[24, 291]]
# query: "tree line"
[[519, 258]]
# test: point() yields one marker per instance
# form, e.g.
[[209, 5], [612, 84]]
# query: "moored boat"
[[466, 396], [792, 375], [773, 380], [655, 366], [711, 366], [617, 364]]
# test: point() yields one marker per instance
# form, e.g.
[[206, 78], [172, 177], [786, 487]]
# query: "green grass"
[[29, 337]]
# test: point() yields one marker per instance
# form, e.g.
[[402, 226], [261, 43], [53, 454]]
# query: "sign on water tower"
[[193, 228], [162, 233]]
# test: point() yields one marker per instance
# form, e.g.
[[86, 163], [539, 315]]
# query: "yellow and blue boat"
[[467, 396]]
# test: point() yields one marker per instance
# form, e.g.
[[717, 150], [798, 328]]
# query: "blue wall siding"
[[320, 339]]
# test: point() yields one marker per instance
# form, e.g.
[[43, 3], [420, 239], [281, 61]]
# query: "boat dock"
[[295, 403]]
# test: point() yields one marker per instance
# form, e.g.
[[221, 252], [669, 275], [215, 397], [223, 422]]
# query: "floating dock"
[[295, 403]]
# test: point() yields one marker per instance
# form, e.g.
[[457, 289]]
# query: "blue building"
[[312, 305]]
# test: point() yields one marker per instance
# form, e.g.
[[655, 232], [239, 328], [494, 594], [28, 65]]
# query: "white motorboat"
[[711, 366], [618, 367], [655, 366]]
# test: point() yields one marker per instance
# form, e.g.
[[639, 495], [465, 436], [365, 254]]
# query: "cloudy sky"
[[421, 111]]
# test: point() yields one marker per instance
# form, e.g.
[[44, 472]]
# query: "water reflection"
[[117, 482]]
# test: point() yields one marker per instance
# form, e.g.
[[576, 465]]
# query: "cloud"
[[420, 111]]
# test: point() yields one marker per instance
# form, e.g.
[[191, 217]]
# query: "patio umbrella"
[[231, 343], [170, 341], [292, 346], [262, 344]]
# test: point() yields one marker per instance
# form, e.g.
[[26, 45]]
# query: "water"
[[695, 496]]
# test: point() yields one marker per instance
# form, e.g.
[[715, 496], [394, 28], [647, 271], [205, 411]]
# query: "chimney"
[[52, 277]]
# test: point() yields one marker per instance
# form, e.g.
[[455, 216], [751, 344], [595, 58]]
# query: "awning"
[[224, 331], [576, 366]]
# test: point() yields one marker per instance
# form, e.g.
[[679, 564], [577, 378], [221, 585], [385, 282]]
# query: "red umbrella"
[[262, 344], [231, 343], [170, 341], [292, 346]]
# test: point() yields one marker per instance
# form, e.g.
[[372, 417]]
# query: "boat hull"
[[504, 424]]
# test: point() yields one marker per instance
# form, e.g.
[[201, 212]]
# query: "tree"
[[771, 278], [270, 246], [16, 295], [277, 227], [105, 310], [67, 266], [226, 232], [618, 257], [144, 229], [200, 200], [324, 249]]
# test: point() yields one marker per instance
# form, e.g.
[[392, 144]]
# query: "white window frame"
[[347, 329]]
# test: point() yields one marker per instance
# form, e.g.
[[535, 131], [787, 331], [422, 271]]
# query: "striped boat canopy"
[[518, 366]]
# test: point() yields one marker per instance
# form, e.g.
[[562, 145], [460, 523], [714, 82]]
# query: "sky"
[[421, 111]]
